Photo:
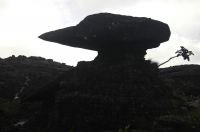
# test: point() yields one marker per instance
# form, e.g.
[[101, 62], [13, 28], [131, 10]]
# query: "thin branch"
[[167, 60]]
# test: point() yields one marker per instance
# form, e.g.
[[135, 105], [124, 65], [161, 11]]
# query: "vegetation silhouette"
[[185, 53]]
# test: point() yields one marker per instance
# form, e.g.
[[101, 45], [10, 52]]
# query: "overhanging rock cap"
[[105, 30]]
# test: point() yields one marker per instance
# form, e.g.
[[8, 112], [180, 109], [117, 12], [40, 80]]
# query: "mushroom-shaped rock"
[[107, 33], [99, 31]]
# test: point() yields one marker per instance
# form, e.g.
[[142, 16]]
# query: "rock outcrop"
[[15, 71], [118, 88], [21, 77], [112, 35]]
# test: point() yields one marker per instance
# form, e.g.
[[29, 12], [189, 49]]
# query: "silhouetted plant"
[[185, 53]]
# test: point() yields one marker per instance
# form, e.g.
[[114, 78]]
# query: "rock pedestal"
[[119, 87]]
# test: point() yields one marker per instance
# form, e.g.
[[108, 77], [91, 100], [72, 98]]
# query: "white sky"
[[22, 21]]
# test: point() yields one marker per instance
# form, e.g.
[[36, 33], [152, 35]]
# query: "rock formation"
[[118, 88], [118, 91], [21, 77], [112, 35], [15, 71]]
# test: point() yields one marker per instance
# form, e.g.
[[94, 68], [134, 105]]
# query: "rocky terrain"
[[182, 80], [22, 76], [30, 72], [119, 91]]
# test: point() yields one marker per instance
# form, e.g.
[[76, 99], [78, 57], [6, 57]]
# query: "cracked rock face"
[[110, 31]]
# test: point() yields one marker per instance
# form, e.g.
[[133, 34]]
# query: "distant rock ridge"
[[181, 71]]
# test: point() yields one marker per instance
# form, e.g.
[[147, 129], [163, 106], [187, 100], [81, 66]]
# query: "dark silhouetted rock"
[[22, 77], [186, 78], [112, 34], [119, 87], [94, 97], [27, 74]]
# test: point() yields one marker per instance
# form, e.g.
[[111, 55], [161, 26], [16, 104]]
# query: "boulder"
[[112, 32]]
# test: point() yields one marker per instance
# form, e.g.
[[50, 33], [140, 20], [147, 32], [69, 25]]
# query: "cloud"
[[91, 5], [187, 19], [81, 8], [2, 3]]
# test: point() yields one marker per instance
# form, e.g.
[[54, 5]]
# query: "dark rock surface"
[[29, 72], [115, 37], [181, 71], [97, 97], [21, 77], [111, 32], [116, 89], [94, 97], [187, 76]]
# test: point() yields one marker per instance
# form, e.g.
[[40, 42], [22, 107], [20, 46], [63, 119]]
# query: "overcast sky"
[[22, 21]]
